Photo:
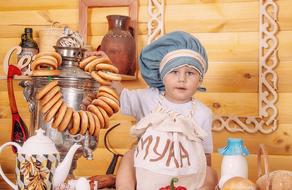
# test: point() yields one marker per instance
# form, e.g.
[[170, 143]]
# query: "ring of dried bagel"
[[99, 79], [113, 104], [109, 76], [59, 116], [76, 123], [108, 90], [97, 125], [93, 109], [53, 110], [91, 123], [102, 104], [43, 91], [105, 117], [44, 72], [66, 120], [105, 94], [106, 67], [50, 94], [45, 108], [44, 62], [85, 61], [53, 54], [84, 122]]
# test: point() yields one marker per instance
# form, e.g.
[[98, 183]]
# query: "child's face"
[[181, 84]]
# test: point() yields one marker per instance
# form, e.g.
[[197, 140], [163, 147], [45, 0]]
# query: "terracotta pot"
[[119, 44]]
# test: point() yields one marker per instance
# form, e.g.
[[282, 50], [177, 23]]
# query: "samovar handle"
[[28, 94]]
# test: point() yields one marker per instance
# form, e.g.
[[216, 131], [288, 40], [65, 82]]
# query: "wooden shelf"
[[16, 77]]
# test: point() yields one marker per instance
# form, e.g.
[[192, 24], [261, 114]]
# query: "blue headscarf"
[[171, 51]]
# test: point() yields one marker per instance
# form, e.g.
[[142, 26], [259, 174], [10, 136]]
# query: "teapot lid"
[[234, 146], [38, 144]]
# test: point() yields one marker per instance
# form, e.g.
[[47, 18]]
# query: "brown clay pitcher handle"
[[262, 153]]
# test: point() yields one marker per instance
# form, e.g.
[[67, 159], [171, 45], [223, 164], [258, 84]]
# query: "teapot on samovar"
[[38, 163]]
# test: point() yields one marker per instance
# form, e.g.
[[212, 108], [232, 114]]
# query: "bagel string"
[[96, 109]]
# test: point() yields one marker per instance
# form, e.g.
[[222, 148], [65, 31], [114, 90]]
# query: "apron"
[[169, 146]]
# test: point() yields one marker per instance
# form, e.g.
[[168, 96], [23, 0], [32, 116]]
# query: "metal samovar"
[[75, 85]]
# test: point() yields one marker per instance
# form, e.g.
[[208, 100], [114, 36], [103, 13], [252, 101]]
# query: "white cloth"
[[139, 103], [169, 146]]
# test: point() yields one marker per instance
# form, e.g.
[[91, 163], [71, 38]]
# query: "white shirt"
[[141, 102]]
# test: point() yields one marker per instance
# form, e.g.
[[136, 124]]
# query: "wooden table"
[[5, 186]]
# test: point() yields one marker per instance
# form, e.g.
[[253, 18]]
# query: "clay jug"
[[119, 44]]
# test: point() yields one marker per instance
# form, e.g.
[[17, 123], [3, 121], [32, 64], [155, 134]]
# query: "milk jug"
[[234, 162]]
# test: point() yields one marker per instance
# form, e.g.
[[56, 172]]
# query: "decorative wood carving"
[[156, 22], [266, 121]]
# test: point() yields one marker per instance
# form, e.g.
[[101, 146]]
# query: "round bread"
[[66, 120], [99, 79], [50, 94], [115, 107], [97, 126], [109, 76], [51, 113], [105, 117], [91, 65], [238, 183], [107, 67], [59, 116], [91, 123], [109, 91], [46, 89], [84, 122], [54, 54], [45, 72], [100, 94], [51, 102], [85, 61], [76, 123], [104, 106], [44, 61], [93, 109]]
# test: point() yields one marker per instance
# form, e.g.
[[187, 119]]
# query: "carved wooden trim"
[[266, 122], [155, 24]]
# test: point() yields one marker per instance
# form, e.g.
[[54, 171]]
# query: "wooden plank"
[[205, 17], [228, 47], [54, 4], [279, 141], [221, 77]]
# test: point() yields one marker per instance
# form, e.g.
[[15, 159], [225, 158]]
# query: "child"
[[174, 130]]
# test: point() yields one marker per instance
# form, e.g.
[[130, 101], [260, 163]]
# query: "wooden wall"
[[229, 31]]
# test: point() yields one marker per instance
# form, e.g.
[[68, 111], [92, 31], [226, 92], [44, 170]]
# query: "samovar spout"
[[28, 93]]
